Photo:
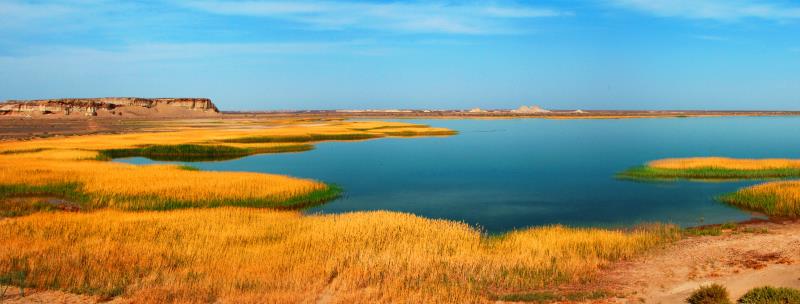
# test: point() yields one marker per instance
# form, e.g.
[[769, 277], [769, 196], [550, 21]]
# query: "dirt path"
[[738, 260]]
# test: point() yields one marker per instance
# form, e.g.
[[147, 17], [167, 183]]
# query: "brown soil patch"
[[738, 260]]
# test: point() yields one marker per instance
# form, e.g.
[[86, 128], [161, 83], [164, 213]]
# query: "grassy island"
[[714, 168], [779, 199], [776, 198]]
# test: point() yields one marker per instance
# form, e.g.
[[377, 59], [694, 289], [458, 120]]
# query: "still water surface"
[[507, 174]]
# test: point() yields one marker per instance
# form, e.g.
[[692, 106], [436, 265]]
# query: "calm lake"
[[507, 174]]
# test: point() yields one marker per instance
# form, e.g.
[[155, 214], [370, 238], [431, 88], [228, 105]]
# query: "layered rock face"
[[110, 106]]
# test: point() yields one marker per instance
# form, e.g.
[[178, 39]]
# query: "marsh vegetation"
[[241, 255], [779, 199], [775, 198], [714, 168], [200, 254]]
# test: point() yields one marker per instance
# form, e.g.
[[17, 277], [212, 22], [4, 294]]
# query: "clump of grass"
[[257, 255], [711, 294], [703, 231], [717, 230], [710, 173], [771, 295], [711, 230], [780, 199], [191, 152], [755, 230]]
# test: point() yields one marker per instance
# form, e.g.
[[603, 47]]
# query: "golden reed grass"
[[70, 161], [725, 163], [219, 135], [239, 255], [110, 181], [779, 198]]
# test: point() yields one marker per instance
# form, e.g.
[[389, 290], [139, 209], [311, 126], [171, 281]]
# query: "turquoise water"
[[507, 174]]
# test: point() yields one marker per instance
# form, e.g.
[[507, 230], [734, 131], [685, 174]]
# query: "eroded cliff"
[[110, 106]]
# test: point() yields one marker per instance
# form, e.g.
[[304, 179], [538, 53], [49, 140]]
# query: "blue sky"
[[593, 54]]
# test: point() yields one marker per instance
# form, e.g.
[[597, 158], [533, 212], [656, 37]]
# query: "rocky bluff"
[[110, 106]]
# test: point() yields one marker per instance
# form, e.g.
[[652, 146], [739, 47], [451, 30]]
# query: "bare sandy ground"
[[738, 260]]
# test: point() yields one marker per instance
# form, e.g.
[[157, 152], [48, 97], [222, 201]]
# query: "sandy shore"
[[737, 259]]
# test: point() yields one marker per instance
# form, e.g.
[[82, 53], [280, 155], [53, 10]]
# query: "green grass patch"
[[650, 173], [766, 203], [549, 296], [196, 153], [19, 200], [711, 294], [73, 193], [69, 191], [301, 138], [188, 168], [711, 230], [703, 231], [423, 133], [771, 295]]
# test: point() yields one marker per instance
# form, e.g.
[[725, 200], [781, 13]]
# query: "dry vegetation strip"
[[715, 168], [261, 256], [725, 163]]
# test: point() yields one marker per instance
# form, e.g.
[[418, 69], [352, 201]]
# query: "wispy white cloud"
[[18, 13], [151, 52], [420, 17], [723, 10], [711, 37]]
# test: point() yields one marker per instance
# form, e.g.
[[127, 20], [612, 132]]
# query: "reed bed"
[[265, 256], [780, 198], [325, 130], [97, 184], [73, 167], [715, 168], [192, 153], [725, 163]]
